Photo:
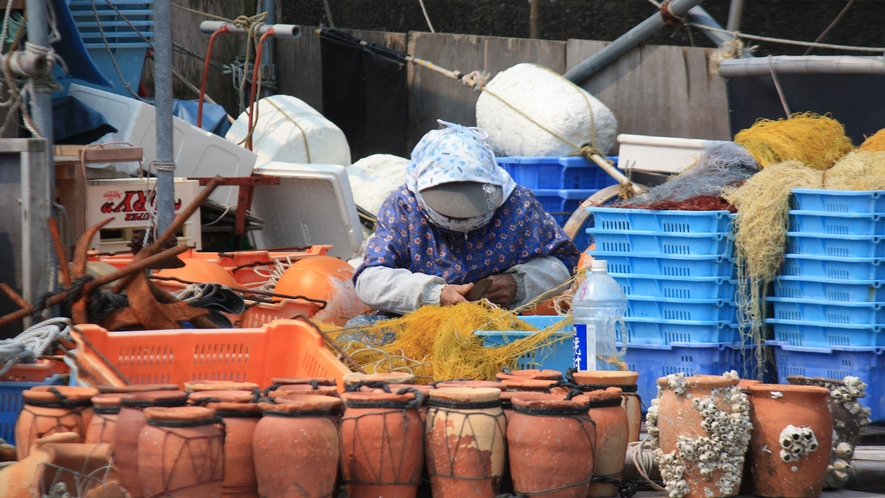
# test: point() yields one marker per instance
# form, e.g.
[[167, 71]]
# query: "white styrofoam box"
[[660, 154], [128, 200], [311, 205], [550, 100], [285, 124], [373, 178], [197, 153]]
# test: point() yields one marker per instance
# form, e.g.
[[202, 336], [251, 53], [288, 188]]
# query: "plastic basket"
[[804, 265], [660, 331], [662, 221], [838, 201], [38, 371], [263, 313], [836, 363], [676, 287], [561, 203], [823, 222], [837, 246], [680, 309], [572, 172], [284, 348], [637, 242], [822, 334], [11, 402], [857, 291], [667, 265], [846, 313], [558, 356]]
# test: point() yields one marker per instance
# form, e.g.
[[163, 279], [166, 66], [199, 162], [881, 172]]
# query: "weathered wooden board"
[[659, 90], [433, 96]]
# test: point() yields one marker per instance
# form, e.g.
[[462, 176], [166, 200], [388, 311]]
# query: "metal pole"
[[735, 12], [267, 58], [534, 8], [165, 164], [41, 100], [617, 48], [698, 15]]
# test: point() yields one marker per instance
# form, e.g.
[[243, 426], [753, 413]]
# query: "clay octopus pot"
[[219, 385], [465, 442], [702, 425], [127, 429], [203, 398], [791, 440], [17, 479], [849, 419], [550, 446], [507, 402], [352, 380], [552, 375], [181, 452], [382, 444], [303, 389], [69, 464], [295, 447], [138, 388], [469, 383], [601, 379], [612, 436], [240, 419], [533, 386], [276, 382], [101, 426], [50, 409]]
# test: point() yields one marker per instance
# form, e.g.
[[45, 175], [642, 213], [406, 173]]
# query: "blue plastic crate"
[[667, 264], [837, 246], [836, 363], [638, 242], [573, 172], [836, 223], [676, 287], [11, 402], [822, 334], [663, 308], [846, 313], [662, 221], [823, 289], [559, 356], [660, 331], [561, 203], [804, 265], [838, 201]]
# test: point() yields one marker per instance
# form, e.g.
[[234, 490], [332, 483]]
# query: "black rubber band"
[[604, 403], [372, 384], [379, 404], [58, 404], [234, 414], [183, 423], [146, 403], [577, 410], [630, 388], [459, 405], [106, 410]]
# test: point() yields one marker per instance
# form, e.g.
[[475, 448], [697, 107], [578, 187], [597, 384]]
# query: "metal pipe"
[[534, 8], [698, 15], [268, 60], [163, 94], [735, 12], [279, 30], [802, 64], [23, 63], [255, 79], [206, 67], [669, 12]]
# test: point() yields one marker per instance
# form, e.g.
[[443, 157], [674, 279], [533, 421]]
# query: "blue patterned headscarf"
[[455, 153]]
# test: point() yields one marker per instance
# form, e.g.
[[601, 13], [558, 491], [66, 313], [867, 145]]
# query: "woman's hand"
[[503, 289], [454, 294]]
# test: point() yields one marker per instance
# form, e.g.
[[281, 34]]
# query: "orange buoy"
[[327, 278], [197, 271]]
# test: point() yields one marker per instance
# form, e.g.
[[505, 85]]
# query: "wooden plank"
[[433, 96], [112, 155], [300, 68], [659, 90]]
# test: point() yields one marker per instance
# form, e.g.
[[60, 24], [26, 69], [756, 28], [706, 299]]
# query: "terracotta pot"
[[130, 422], [507, 402], [465, 442], [138, 388], [470, 383], [276, 382], [849, 419], [386, 377], [296, 448], [613, 434], [69, 464], [240, 419], [219, 385], [792, 437], [702, 425], [101, 426], [533, 385], [382, 445], [303, 389], [601, 379], [550, 444], [17, 479], [202, 398], [50, 409], [181, 453], [553, 375]]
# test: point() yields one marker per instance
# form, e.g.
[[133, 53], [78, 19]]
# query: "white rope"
[[33, 342], [738, 34], [643, 461], [426, 17]]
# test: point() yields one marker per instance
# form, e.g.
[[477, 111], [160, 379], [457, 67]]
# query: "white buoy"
[[288, 130], [552, 102]]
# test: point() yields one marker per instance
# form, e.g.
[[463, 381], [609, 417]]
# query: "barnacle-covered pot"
[[702, 428], [791, 440]]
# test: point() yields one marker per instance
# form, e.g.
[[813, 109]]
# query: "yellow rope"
[[204, 14], [290, 118]]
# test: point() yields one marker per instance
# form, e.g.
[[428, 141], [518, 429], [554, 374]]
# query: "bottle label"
[[585, 346]]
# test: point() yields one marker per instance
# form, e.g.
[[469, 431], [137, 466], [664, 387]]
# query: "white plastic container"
[[659, 154], [599, 306]]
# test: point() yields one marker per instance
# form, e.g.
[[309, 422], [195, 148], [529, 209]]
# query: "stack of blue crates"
[[829, 301], [560, 184], [677, 270]]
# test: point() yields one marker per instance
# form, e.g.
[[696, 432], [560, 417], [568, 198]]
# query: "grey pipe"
[[25, 64], [735, 12], [802, 64], [163, 94], [279, 30], [698, 15], [267, 56], [617, 48]]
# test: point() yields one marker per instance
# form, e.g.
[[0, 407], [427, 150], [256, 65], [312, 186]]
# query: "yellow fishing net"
[[875, 142], [816, 141], [438, 343], [861, 170]]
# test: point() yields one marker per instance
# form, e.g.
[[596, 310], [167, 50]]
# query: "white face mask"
[[456, 225]]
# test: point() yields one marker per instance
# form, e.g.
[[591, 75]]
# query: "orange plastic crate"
[[283, 348], [261, 313], [38, 371]]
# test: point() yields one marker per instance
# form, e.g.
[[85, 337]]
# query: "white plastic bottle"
[[599, 306]]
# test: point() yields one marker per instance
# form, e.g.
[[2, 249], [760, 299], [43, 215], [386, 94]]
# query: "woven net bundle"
[[816, 141], [438, 343], [874, 143], [699, 187], [859, 170]]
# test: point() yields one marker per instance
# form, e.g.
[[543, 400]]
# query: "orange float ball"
[[327, 278], [199, 271]]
